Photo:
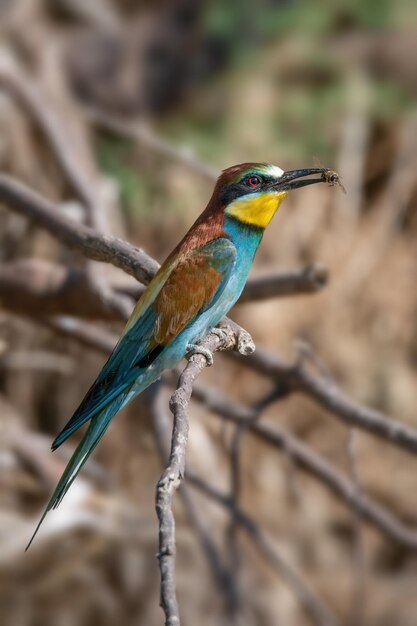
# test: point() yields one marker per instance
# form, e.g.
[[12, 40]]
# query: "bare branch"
[[307, 280], [40, 360], [297, 377], [222, 576], [97, 247], [359, 565], [43, 288], [312, 463]]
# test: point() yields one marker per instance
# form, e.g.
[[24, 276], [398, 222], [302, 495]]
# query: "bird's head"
[[252, 192]]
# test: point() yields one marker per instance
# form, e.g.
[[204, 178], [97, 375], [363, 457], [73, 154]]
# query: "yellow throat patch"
[[257, 210]]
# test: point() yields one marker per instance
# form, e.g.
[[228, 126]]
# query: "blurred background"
[[134, 106]]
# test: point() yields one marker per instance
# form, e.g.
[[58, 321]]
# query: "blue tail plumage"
[[95, 432]]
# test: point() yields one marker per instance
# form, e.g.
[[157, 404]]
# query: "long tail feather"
[[81, 416], [95, 432]]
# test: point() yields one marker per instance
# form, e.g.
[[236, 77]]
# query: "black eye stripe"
[[240, 188]]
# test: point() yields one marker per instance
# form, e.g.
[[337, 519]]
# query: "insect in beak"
[[294, 179]]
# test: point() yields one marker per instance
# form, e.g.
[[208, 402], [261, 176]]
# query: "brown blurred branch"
[[307, 280], [40, 360], [66, 134], [359, 564], [105, 248], [40, 288], [311, 462], [297, 377], [313, 605]]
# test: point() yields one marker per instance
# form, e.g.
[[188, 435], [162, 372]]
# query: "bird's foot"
[[219, 332], [194, 348]]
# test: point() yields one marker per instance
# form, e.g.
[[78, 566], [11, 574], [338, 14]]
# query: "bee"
[[329, 176], [332, 178]]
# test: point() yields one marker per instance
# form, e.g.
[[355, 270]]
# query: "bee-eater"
[[193, 290]]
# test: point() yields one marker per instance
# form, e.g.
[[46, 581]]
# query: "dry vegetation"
[[289, 514]]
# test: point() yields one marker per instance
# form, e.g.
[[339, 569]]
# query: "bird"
[[193, 290]]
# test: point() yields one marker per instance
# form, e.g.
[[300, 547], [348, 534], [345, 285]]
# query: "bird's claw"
[[194, 348], [219, 332]]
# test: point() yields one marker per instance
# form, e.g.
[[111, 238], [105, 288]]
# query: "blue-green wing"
[[176, 295]]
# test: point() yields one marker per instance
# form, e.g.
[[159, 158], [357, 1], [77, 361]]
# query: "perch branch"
[[174, 472], [222, 576]]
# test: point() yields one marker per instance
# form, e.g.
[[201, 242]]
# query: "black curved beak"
[[291, 179]]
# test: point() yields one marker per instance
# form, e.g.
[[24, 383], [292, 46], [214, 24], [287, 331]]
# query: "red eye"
[[253, 181]]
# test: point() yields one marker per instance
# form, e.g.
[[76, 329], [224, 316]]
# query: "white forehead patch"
[[275, 171]]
